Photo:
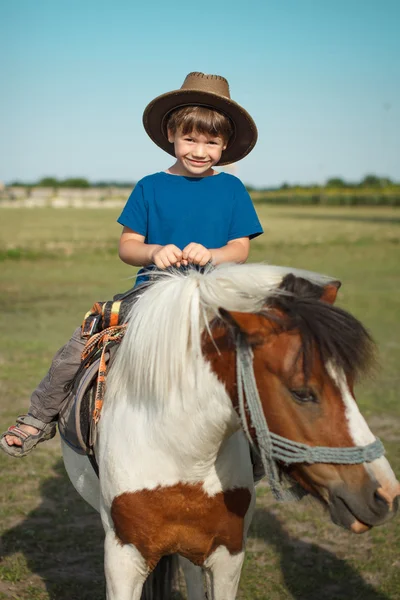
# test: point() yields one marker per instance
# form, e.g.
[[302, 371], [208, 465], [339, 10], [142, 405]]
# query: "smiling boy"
[[187, 214]]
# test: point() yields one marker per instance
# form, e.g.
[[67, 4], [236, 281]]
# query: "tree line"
[[72, 182], [369, 181], [337, 183]]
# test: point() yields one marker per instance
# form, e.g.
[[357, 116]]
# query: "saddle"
[[76, 422], [103, 327]]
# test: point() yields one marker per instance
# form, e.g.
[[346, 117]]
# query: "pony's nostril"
[[382, 504], [380, 499], [383, 496]]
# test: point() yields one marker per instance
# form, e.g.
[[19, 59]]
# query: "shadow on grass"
[[61, 541], [309, 571]]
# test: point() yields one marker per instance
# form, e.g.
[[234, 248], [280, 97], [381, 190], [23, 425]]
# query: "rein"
[[272, 447]]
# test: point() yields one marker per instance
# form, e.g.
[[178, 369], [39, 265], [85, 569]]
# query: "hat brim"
[[245, 130]]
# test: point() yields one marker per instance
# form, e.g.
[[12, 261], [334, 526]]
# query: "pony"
[[214, 365]]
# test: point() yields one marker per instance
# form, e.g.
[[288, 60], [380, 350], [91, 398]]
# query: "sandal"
[[29, 440]]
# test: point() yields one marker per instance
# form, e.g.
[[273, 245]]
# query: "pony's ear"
[[330, 292], [253, 326]]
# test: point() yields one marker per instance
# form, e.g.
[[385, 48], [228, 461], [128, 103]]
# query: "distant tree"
[[385, 181], [125, 184], [116, 184], [17, 183], [102, 184], [285, 186], [371, 181], [48, 182], [76, 182], [336, 182]]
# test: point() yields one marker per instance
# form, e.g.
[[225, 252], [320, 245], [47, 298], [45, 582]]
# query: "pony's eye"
[[304, 395]]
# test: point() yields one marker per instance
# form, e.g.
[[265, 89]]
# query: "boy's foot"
[[20, 439], [13, 440]]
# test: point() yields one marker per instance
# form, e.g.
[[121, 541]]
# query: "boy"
[[189, 214]]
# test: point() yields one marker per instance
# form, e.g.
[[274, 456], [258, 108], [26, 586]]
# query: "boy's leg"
[[48, 397]]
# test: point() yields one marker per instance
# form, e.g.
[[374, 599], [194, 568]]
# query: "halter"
[[272, 447]]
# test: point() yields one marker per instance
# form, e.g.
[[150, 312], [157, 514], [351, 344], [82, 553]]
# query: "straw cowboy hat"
[[211, 91]]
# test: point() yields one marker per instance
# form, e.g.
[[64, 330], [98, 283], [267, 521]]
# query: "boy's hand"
[[167, 256], [196, 254]]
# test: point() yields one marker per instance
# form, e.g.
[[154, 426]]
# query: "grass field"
[[54, 264]]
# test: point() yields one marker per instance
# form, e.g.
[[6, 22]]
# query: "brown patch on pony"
[[180, 519]]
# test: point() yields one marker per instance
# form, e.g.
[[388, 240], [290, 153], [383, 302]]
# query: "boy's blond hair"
[[201, 120]]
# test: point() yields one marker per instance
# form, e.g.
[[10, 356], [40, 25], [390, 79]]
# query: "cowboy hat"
[[211, 91]]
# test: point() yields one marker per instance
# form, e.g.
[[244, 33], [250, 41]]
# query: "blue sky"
[[321, 78]]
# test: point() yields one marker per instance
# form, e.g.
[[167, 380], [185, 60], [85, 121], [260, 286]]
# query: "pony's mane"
[[336, 334], [163, 337]]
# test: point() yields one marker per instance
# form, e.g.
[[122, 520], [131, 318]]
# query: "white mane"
[[161, 350]]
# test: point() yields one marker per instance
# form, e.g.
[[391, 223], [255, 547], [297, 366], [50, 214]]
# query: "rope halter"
[[272, 447]]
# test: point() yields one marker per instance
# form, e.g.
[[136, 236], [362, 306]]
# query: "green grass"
[[54, 264]]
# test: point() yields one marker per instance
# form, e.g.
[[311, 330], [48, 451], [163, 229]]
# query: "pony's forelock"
[[338, 336]]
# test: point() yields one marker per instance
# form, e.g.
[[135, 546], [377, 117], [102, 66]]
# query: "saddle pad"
[[75, 420]]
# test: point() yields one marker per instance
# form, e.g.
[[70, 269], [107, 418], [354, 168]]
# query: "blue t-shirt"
[[172, 209]]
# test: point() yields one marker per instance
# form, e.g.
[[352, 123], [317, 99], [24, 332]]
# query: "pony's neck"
[[179, 439]]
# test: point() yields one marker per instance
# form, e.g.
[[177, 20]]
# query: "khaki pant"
[[48, 397]]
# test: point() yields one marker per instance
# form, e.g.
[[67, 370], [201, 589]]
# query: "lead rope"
[[272, 447]]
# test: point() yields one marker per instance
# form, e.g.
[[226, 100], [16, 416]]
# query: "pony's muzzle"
[[359, 511]]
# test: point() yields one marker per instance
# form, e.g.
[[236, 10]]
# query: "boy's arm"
[[235, 251], [134, 251]]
